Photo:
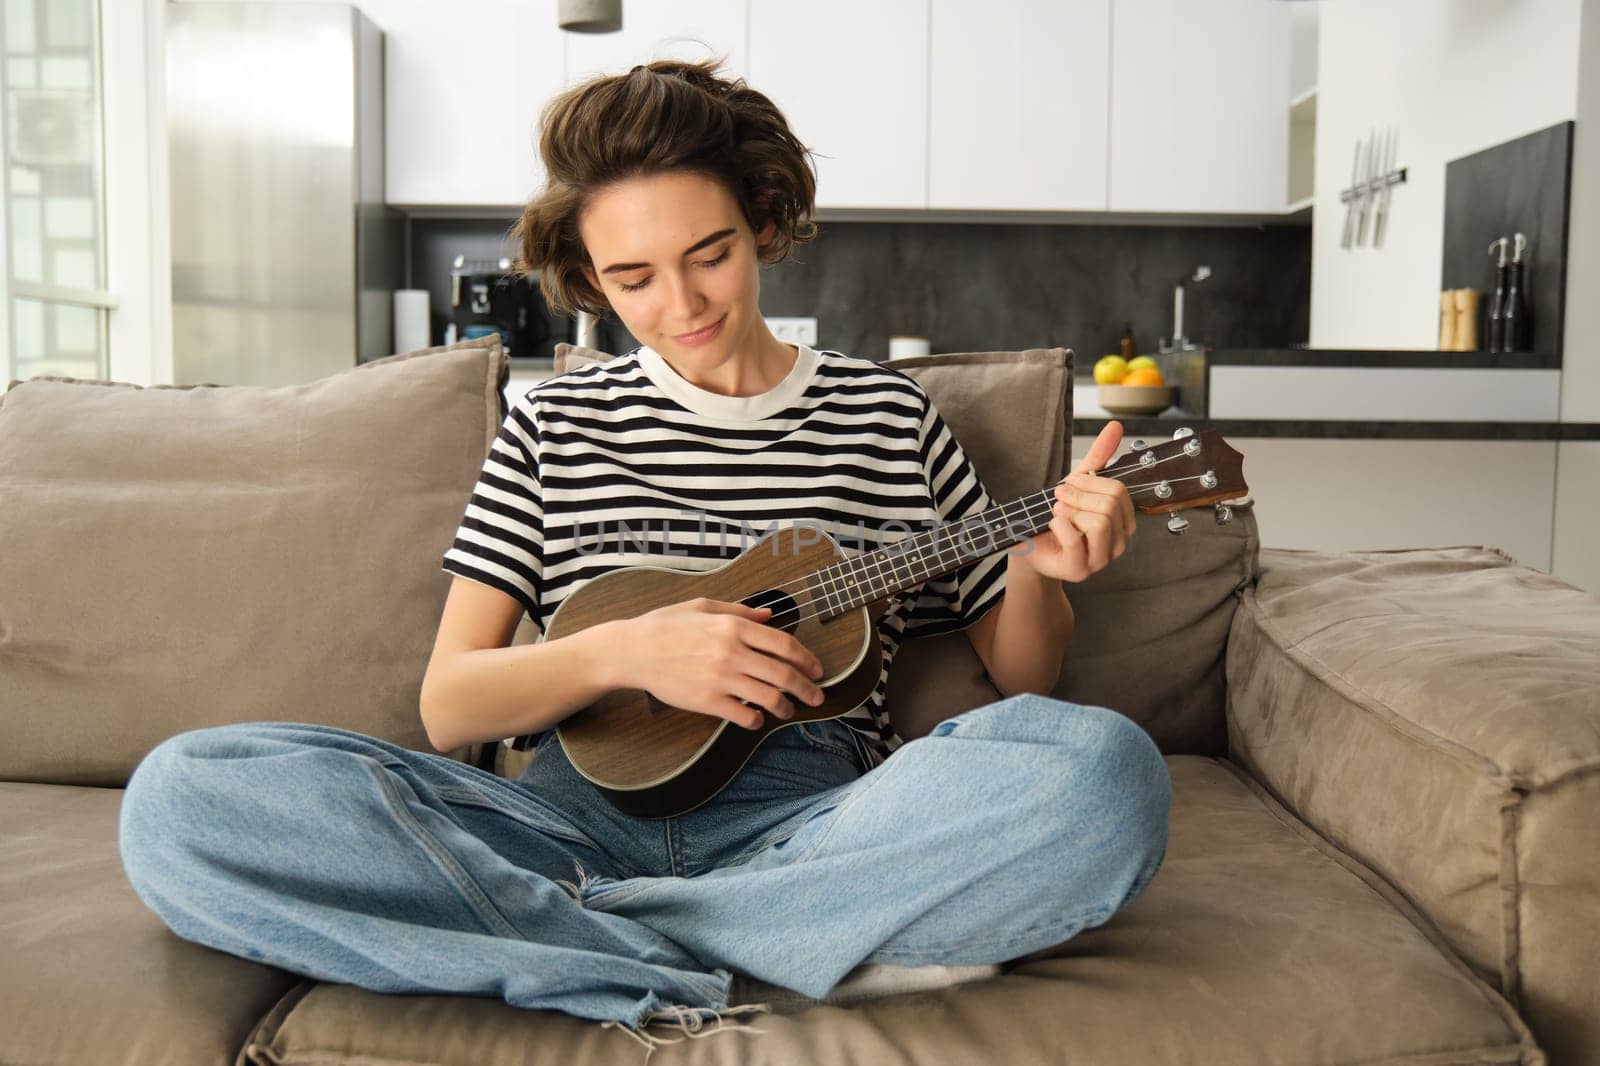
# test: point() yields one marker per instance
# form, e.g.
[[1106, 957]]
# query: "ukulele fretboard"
[[921, 557]]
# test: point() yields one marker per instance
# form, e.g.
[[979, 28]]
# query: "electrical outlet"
[[797, 330]]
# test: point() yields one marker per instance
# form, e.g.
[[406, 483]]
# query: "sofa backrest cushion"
[[175, 557], [1152, 628]]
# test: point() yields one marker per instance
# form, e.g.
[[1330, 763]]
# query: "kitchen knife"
[[1350, 196], [1391, 145], [1366, 187]]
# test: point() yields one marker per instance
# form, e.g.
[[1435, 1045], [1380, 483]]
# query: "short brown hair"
[[669, 115]]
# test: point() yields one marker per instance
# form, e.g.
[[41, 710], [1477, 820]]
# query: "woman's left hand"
[[1092, 522]]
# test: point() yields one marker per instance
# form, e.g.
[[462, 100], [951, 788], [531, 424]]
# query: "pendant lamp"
[[590, 16]]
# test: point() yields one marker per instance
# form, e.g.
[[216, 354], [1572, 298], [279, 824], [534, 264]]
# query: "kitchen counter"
[[1160, 427], [1314, 393], [1383, 450], [1373, 357]]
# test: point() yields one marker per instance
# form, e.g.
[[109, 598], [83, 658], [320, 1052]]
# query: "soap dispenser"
[[1497, 302], [1517, 334]]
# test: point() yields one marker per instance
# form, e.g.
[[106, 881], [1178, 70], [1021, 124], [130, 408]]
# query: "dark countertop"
[[1395, 357], [1161, 427]]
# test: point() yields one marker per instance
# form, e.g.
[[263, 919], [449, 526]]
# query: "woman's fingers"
[[1100, 533], [737, 713], [763, 696], [784, 646], [1103, 494], [779, 674], [1101, 450], [1097, 537], [1073, 550], [711, 606]]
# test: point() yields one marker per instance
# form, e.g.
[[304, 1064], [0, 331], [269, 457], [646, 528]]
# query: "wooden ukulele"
[[651, 760]]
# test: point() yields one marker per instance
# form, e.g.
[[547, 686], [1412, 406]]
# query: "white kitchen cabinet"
[[1042, 105], [852, 78], [464, 83], [1019, 104], [662, 29], [1197, 105]]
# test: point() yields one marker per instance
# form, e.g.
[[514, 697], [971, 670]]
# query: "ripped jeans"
[[345, 858]]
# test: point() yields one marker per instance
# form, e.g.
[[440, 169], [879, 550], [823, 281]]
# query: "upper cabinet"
[[852, 78], [1030, 105], [1197, 105], [1018, 104], [464, 84]]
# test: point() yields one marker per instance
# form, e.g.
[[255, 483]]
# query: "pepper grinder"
[[1497, 302], [1516, 334]]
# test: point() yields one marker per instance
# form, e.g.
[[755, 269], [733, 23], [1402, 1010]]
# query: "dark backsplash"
[[1521, 185], [989, 286]]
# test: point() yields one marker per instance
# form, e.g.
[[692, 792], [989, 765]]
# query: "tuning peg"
[[1182, 432], [1176, 523], [1208, 480], [1224, 514], [1163, 490], [1137, 445]]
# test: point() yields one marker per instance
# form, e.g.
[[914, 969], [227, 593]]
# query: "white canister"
[[587, 332], [410, 320], [903, 346]]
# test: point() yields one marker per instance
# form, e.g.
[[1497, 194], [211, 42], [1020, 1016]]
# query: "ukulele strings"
[[855, 569]]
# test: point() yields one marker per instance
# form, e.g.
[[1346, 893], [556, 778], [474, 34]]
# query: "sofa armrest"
[[1436, 714]]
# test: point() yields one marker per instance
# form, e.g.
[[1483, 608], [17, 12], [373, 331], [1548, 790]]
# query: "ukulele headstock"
[[1190, 470]]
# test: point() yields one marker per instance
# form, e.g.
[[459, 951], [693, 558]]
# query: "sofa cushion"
[[88, 973], [1255, 943], [1152, 628], [1149, 641], [176, 557], [1011, 412], [1436, 713]]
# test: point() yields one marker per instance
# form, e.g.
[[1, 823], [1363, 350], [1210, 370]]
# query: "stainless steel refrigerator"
[[283, 252]]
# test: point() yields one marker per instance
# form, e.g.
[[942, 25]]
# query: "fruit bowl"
[[1137, 399]]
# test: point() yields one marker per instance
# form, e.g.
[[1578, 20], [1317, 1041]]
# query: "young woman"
[[1010, 828]]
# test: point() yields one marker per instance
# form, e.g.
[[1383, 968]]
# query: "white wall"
[[1580, 371], [1455, 77], [1577, 520], [1303, 47]]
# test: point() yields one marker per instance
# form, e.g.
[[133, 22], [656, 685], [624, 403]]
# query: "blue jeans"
[[345, 858]]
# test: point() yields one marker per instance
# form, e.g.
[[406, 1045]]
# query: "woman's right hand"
[[706, 655]]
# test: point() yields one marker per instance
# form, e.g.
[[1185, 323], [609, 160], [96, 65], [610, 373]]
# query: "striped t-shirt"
[[627, 463]]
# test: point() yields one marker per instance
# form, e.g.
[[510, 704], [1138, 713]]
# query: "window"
[[54, 311]]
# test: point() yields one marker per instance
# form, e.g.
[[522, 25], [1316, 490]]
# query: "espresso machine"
[[486, 297]]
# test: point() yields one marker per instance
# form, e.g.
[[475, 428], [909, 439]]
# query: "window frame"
[[136, 301]]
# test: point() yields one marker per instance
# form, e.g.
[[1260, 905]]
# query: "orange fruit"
[[1144, 375]]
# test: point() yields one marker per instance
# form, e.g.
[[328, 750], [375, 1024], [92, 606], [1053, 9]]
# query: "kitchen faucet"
[[1178, 342]]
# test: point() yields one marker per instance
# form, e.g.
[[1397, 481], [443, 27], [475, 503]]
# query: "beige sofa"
[[1384, 843]]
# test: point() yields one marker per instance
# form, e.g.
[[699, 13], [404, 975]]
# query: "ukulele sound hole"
[[785, 608]]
